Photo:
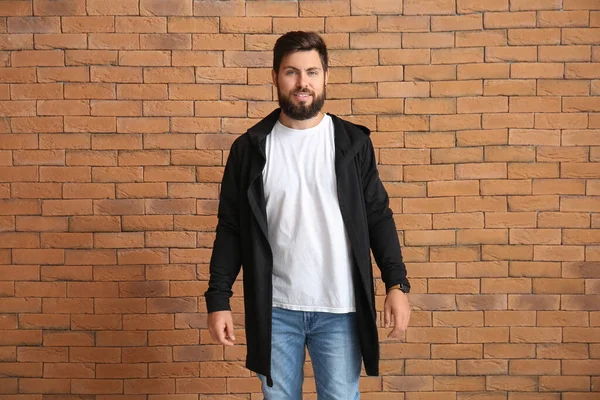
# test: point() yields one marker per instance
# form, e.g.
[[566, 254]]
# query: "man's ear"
[[274, 77]]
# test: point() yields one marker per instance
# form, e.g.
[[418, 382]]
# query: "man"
[[301, 207]]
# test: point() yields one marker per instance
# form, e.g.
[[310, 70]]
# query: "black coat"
[[241, 237]]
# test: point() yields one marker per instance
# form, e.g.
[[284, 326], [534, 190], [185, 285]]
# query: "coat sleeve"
[[382, 228], [225, 262]]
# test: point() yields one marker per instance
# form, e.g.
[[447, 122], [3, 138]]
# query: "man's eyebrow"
[[296, 69]]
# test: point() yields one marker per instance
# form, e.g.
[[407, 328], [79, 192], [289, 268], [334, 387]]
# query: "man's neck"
[[297, 124]]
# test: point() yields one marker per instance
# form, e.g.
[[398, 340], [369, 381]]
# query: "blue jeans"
[[332, 342]]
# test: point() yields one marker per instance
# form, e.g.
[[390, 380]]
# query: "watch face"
[[404, 288]]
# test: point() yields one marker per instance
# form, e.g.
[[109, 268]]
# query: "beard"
[[301, 111]]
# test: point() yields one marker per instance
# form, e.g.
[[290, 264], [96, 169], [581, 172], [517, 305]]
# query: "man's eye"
[[290, 72], [312, 73]]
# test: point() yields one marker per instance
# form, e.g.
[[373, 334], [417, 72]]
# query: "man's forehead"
[[302, 58]]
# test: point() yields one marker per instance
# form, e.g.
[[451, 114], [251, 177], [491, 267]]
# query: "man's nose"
[[302, 80]]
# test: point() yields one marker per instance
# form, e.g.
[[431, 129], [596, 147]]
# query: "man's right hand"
[[220, 326]]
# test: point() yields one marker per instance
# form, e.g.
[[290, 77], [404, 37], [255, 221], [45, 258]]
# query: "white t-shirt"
[[311, 252]]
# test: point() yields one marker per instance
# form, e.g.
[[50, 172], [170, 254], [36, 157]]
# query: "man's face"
[[301, 84]]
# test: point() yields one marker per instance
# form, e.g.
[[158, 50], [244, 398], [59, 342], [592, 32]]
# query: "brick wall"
[[115, 120]]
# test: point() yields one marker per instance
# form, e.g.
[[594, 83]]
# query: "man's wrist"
[[401, 287]]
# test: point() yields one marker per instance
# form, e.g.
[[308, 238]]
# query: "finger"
[[386, 317], [229, 330], [406, 321], [222, 335], [396, 332]]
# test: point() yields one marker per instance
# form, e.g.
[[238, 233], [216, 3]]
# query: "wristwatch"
[[401, 286]]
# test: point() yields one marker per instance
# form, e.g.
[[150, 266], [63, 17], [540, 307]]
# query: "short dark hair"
[[294, 41]]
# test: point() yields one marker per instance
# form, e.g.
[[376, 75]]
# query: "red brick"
[[96, 323], [430, 72], [40, 58], [120, 338], [457, 23], [478, 171], [482, 236], [403, 89], [482, 71], [485, 38], [528, 170], [147, 222], [137, 24], [118, 207], [61, 41], [87, 158], [114, 41], [117, 142], [116, 74], [117, 174], [45, 321], [166, 41], [469, 6], [404, 56], [97, 257], [538, 36], [510, 20], [19, 239], [33, 25], [565, 154], [68, 339], [122, 370], [564, 53], [17, 108], [171, 272], [170, 239], [92, 24], [511, 53], [36, 190], [119, 240], [142, 125], [391, 123], [168, 108], [113, 7], [70, 273], [581, 70], [94, 224], [84, 57], [564, 383], [141, 190], [35, 256], [95, 355], [19, 207], [16, 7], [145, 58], [204, 385], [430, 106], [203, 59], [63, 107], [121, 273], [41, 224], [193, 25], [52, 386], [142, 256], [43, 354], [457, 56], [534, 137], [37, 91], [153, 322]]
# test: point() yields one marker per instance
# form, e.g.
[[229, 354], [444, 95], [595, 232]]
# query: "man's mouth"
[[302, 95]]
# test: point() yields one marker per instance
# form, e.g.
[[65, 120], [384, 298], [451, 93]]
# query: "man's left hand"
[[396, 312]]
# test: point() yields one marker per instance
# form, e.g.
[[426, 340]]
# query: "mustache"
[[303, 90]]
